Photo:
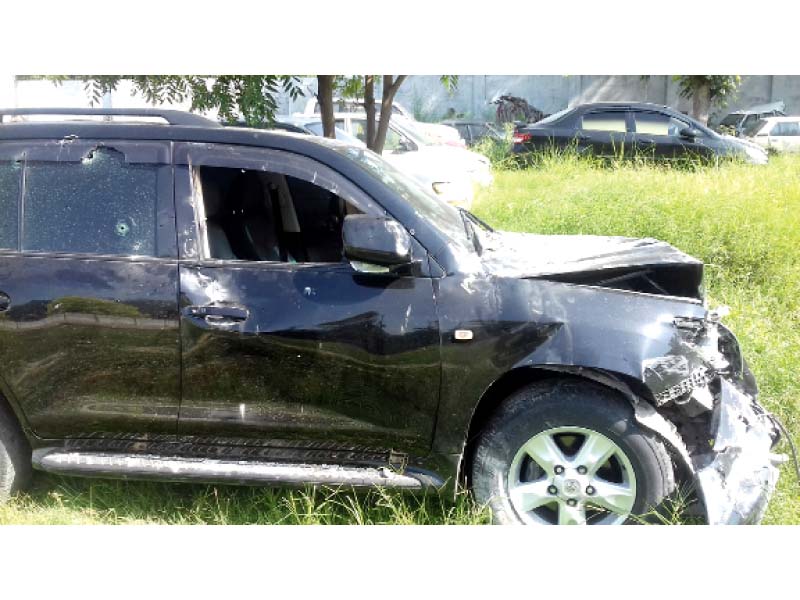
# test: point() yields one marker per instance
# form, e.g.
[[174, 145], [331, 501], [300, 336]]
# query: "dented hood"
[[644, 265]]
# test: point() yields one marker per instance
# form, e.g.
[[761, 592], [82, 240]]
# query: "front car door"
[[284, 342], [657, 135], [89, 339]]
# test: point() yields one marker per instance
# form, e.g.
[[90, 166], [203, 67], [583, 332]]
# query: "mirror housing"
[[689, 133], [406, 145], [376, 241]]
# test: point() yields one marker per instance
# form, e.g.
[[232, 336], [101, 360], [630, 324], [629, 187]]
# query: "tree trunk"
[[390, 88], [369, 107], [325, 99], [701, 102]]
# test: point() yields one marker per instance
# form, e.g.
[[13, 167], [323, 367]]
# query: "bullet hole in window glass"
[[101, 205], [9, 199]]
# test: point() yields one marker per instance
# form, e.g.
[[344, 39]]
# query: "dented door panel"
[[321, 353]]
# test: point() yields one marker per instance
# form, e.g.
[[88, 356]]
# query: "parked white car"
[[447, 182], [442, 134], [781, 134], [425, 160]]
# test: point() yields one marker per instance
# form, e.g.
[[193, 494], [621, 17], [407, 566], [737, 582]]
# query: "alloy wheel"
[[571, 476]]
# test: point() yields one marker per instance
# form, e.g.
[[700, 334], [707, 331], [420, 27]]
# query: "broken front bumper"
[[739, 476]]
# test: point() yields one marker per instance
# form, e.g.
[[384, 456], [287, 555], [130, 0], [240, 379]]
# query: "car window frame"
[[669, 116], [190, 232], [156, 152], [627, 118]]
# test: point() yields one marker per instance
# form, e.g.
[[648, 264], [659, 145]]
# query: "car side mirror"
[[406, 145], [689, 133], [375, 242]]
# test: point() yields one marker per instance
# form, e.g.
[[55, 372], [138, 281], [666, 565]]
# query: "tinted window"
[[755, 128], [657, 124], [100, 205], [479, 131], [749, 120], [9, 199], [732, 120], [786, 129], [605, 121]]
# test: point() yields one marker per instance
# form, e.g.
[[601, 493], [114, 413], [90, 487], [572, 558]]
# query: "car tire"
[[569, 451], [15, 455]]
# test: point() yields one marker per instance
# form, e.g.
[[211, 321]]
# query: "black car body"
[[631, 129], [193, 302]]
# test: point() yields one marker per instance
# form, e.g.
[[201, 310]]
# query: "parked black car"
[[473, 132], [195, 302], [628, 129]]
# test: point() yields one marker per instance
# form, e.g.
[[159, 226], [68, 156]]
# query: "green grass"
[[741, 220]]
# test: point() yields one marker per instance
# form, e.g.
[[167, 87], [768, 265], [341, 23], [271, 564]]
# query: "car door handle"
[[217, 315], [5, 302], [582, 137]]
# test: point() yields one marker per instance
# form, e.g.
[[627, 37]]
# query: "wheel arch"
[[520, 377], [10, 414]]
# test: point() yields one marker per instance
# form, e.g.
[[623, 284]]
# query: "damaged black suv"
[[184, 301]]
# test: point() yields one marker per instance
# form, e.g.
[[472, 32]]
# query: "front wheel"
[[569, 452]]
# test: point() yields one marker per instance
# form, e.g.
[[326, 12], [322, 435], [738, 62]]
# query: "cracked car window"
[[9, 197], [100, 205]]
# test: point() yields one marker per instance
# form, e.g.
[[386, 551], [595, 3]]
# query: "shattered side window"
[[100, 205], [9, 198]]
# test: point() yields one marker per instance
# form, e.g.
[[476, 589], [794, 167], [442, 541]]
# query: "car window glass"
[[755, 128], [9, 200], [100, 205], [478, 131], [604, 121], [359, 129], [749, 120], [393, 138], [786, 129], [269, 216], [657, 124]]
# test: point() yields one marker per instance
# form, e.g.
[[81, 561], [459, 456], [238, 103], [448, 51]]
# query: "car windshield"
[[755, 127], [732, 120], [420, 138], [441, 215]]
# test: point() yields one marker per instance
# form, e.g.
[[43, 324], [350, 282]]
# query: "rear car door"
[[89, 340], [604, 132], [284, 342]]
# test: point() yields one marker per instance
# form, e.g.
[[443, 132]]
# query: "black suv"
[[633, 129], [184, 301]]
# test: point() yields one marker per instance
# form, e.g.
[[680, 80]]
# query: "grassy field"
[[743, 221]]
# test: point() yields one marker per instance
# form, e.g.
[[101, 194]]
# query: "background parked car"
[[441, 134], [451, 172], [309, 127], [737, 122], [448, 181], [473, 132], [619, 129], [781, 134]]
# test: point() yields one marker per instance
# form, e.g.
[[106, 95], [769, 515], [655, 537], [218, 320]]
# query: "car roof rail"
[[173, 117]]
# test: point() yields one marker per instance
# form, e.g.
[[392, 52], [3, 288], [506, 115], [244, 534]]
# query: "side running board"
[[204, 470]]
